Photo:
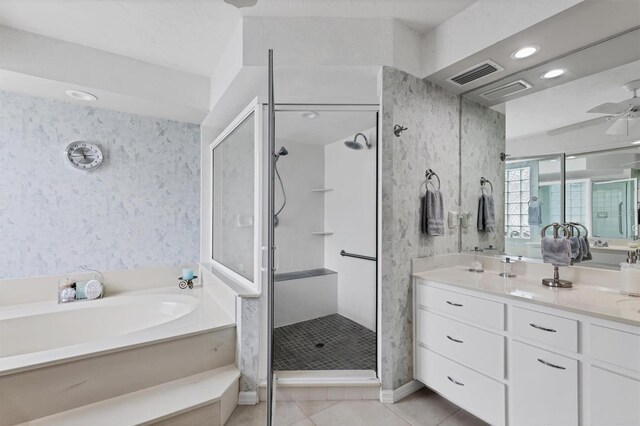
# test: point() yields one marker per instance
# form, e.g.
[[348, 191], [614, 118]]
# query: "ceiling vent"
[[475, 73], [506, 90]]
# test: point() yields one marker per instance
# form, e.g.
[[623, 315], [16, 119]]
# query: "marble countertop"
[[582, 298]]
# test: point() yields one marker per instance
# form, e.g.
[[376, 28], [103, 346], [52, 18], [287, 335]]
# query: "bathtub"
[[45, 333]]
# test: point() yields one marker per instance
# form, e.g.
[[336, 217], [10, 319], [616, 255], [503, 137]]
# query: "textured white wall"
[[301, 171], [139, 209], [350, 212]]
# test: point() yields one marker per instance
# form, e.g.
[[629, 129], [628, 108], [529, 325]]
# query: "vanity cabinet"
[[544, 387], [510, 361]]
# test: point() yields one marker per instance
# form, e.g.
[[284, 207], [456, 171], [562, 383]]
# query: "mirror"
[[573, 150]]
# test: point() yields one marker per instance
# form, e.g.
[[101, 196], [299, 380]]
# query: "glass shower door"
[[613, 208]]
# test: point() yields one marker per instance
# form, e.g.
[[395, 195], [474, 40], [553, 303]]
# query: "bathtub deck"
[[346, 345]]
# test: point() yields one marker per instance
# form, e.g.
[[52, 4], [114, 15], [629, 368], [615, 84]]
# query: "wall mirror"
[[573, 149]]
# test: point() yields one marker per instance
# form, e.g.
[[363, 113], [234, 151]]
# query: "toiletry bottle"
[[630, 271]]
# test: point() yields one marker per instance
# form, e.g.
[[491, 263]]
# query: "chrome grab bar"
[[357, 256]]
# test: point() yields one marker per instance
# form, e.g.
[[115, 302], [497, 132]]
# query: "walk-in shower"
[[354, 144], [281, 153], [324, 302]]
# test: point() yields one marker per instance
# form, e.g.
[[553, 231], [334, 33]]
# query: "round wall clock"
[[83, 155]]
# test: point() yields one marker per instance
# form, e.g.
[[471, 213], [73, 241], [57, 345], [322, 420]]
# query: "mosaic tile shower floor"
[[332, 342]]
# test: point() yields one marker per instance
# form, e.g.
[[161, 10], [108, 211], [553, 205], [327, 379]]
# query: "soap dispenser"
[[476, 265]]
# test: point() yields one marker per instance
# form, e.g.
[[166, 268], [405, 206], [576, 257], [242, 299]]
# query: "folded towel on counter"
[[556, 251], [576, 249], [486, 214], [586, 249], [535, 215], [432, 220]]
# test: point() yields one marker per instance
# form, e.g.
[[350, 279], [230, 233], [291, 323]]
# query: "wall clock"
[[83, 155]]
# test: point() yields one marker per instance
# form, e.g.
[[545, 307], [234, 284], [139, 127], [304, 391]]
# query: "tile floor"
[[422, 408], [332, 342]]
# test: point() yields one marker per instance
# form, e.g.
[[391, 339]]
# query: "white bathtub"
[[38, 334]]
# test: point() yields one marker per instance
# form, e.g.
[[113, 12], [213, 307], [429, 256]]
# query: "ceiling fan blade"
[[619, 127], [578, 126], [609, 108], [241, 3], [616, 108]]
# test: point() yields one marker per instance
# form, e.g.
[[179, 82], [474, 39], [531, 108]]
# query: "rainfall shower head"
[[354, 144], [282, 152]]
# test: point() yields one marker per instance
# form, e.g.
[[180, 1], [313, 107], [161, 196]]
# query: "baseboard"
[[248, 398], [393, 396]]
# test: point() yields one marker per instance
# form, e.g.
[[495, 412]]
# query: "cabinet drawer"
[[615, 347], [479, 311], [549, 329], [544, 387], [472, 391], [614, 399], [463, 343]]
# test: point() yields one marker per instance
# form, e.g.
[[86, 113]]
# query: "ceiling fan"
[[241, 3], [625, 115]]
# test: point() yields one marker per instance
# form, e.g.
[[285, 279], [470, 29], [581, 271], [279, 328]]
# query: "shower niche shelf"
[[321, 189], [322, 233]]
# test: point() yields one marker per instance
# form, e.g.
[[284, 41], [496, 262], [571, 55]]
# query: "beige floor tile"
[[463, 418], [355, 413], [312, 407], [424, 408], [248, 415], [304, 422], [287, 413]]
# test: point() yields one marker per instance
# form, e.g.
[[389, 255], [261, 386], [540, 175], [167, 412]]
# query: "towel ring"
[[556, 227], [584, 228], [571, 226], [534, 199], [483, 181], [429, 174]]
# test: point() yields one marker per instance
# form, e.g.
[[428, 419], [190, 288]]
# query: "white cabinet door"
[[544, 387], [615, 399]]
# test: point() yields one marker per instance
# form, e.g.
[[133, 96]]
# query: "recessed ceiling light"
[[310, 114], [635, 143], [571, 157], [80, 95], [553, 73], [525, 52]]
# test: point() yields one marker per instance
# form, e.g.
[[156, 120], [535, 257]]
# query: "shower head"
[[282, 152], [354, 144]]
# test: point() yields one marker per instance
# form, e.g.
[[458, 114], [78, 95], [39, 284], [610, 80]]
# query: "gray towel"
[[556, 251], [432, 221], [586, 249], [576, 249], [486, 214], [535, 215]]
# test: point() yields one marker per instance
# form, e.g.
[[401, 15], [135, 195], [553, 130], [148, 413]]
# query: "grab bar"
[[357, 256]]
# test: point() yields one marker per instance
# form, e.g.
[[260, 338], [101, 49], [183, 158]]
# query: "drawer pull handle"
[[453, 303], [454, 340], [539, 327], [559, 367], [455, 382]]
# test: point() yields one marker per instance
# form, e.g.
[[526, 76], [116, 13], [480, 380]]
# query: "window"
[[236, 199], [517, 194]]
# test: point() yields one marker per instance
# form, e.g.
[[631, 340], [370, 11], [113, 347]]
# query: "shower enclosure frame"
[[326, 107]]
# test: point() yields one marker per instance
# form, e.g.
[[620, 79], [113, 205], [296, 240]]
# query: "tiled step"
[[45, 391], [211, 396]]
